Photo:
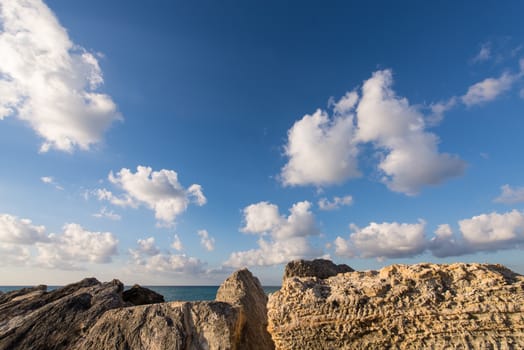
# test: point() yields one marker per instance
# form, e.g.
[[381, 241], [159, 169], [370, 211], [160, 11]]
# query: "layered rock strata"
[[423, 306]]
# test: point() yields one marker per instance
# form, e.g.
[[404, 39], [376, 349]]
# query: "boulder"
[[244, 291], [422, 306], [319, 268], [33, 318], [138, 295], [173, 325]]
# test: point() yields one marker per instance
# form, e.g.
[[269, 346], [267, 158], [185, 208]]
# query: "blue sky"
[[174, 143]]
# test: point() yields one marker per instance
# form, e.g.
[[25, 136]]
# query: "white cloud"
[[411, 158], [14, 254], [521, 93], [177, 243], [337, 202], [438, 110], [485, 232], [488, 89], [147, 246], [493, 231], [48, 81], [160, 191], [288, 236], [274, 252], [206, 240], [76, 245], [484, 53], [261, 217], [104, 213], [148, 257], [20, 231], [385, 240], [510, 195], [51, 181], [321, 150]]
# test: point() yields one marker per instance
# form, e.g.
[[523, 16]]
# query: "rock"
[[138, 295], [244, 291], [419, 306], [174, 325], [35, 319], [319, 268]]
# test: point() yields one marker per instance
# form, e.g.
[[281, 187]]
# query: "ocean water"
[[170, 293]]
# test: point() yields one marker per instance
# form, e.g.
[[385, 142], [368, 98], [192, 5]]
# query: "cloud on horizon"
[[68, 250], [287, 237]]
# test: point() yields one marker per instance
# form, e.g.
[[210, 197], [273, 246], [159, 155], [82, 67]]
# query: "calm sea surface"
[[170, 293]]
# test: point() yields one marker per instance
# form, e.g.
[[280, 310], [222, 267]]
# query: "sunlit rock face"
[[401, 307]]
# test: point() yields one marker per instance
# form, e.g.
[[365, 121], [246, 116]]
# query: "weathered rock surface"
[[236, 320], [32, 318], [138, 295], [423, 306], [172, 325], [244, 291], [320, 268]]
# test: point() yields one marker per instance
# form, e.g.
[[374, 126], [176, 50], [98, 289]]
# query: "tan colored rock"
[[244, 291], [423, 306], [172, 325]]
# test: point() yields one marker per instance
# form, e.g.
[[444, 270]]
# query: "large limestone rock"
[[138, 295], [423, 306], [173, 325], [33, 318], [244, 291]]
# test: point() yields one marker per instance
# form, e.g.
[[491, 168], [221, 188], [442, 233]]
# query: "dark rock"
[[244, 291], [319, 268], [35, 319], [138, 295]]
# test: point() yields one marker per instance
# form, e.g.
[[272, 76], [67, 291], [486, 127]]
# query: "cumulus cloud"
[[337, 202], [287, 236], [206, 240], [411, 158], [20, 231], [481, 233], [104, 213], [76, 245], [510, 195], [48, 81], [51, 181], [323, 151], [159, 191], [385, 240], [149, 257]]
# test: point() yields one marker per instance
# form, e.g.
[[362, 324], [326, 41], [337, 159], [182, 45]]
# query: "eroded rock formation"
[[244, 291], [33, 318], [423, 306], [236, 320]]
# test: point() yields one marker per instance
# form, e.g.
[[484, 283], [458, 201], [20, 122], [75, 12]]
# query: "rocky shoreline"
[[320, 306]]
